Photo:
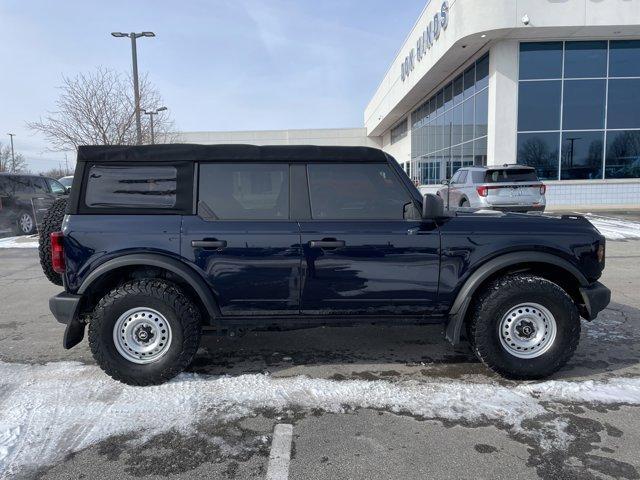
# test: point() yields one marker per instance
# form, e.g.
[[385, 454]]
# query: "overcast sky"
[[219, 64]]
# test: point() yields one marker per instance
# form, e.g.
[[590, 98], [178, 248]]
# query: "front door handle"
[[327, 243], [206, 244]]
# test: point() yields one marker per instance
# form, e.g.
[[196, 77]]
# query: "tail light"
[[543, 189], [601, 253], [57, 252], [482, 191]]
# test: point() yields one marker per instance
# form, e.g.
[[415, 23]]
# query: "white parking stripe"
[[280, 454]]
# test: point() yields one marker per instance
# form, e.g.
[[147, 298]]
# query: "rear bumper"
[[65, 308], [517, 208], [596, 297]]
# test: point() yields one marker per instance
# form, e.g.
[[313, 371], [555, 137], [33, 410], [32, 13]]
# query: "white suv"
[[511, 188]]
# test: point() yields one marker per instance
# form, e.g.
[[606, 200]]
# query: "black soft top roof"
[[173, 152]]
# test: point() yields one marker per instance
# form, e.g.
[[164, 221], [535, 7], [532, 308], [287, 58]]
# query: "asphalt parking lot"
[[366, 402]]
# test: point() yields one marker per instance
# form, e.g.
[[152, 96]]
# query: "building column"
[[503, 103]]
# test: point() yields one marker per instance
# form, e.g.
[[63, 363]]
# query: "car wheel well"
[[463, 200], [118, 276], [556, 274]]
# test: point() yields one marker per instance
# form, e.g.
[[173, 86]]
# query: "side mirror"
[[445, 182], [68, 189], [432, 206]]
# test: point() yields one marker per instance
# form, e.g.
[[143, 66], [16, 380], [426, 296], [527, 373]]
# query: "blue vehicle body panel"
[[257, 273], [385, 268], [91, 240]]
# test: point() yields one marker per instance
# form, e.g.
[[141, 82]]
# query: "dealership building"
[[554, 84]]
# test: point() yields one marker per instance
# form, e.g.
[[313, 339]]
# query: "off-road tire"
[[495, 301], [180, 312], [52, 222]]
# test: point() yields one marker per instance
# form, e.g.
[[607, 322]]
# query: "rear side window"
[[356, 191], [463, 177], [244, 191], [507, 175], [110, 186], [39, 185]]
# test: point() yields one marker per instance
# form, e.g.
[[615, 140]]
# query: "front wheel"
[[25, 224], [144, 332], [524, 327]]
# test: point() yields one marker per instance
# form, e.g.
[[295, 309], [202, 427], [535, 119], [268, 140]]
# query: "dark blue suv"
[[160, 242]]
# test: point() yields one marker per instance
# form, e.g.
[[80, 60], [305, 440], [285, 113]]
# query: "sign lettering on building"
[[427, 38]]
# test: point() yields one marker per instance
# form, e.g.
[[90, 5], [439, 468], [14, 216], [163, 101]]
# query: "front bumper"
[[65, 308], [596, 298]]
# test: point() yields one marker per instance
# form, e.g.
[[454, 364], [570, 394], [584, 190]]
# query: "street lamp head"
[[119, 34], [161, 109], [148, 34]]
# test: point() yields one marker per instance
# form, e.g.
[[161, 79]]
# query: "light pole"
[[136, 89], [13, 157], [151, 113]]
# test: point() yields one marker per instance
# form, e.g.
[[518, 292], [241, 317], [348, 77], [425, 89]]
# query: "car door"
[[42, 198], [366, 252], [243, 240]]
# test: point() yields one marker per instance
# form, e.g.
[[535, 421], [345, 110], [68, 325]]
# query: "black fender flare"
[[187, 273], [462, 302]]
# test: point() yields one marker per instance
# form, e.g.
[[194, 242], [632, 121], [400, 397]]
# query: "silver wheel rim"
[[527, 330], [26, 223], [142, 335]]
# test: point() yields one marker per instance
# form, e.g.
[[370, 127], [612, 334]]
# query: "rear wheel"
[[144, 332], [465, 203], [524, 327], [52, 222]]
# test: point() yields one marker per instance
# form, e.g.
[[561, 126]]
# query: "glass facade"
[[449, 129], [578, 109]]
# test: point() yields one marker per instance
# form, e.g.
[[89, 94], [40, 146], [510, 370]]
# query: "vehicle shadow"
[[609, 344]]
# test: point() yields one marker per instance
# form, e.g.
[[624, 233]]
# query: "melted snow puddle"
[[615, 228], [48, 411]]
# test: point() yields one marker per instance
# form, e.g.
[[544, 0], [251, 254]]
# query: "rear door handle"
[[327, 243], [208, 244]]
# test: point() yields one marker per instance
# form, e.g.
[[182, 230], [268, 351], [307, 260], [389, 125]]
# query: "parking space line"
[[280, 454]]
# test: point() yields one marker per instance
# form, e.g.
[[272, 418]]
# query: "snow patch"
[[48, 411], [615, 228], [30, 241]]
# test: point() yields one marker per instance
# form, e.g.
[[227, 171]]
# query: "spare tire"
[[52, 222]]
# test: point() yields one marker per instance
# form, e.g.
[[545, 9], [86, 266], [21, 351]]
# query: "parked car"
[[66, 182], [24, 199], [510, 188], [163, 241]]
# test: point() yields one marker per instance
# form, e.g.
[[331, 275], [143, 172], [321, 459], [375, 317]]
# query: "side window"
[[110, 186], [455, 177], [477, 176], [5, 190], [462, 179], [23, 185], [356, 191], [56, 187], [244, 191], [39, 185]]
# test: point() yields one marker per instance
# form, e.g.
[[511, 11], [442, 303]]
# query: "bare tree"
[[97, 108], [7, 164]]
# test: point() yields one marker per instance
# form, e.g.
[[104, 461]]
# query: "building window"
[[578, 109], [449, 129], [399, 131]]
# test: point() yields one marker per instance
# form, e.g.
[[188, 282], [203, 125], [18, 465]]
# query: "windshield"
[[508, 175]]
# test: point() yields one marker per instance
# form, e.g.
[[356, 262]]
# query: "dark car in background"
[[24, 199]]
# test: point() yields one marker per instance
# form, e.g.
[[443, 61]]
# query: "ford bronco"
[[161, 242]]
